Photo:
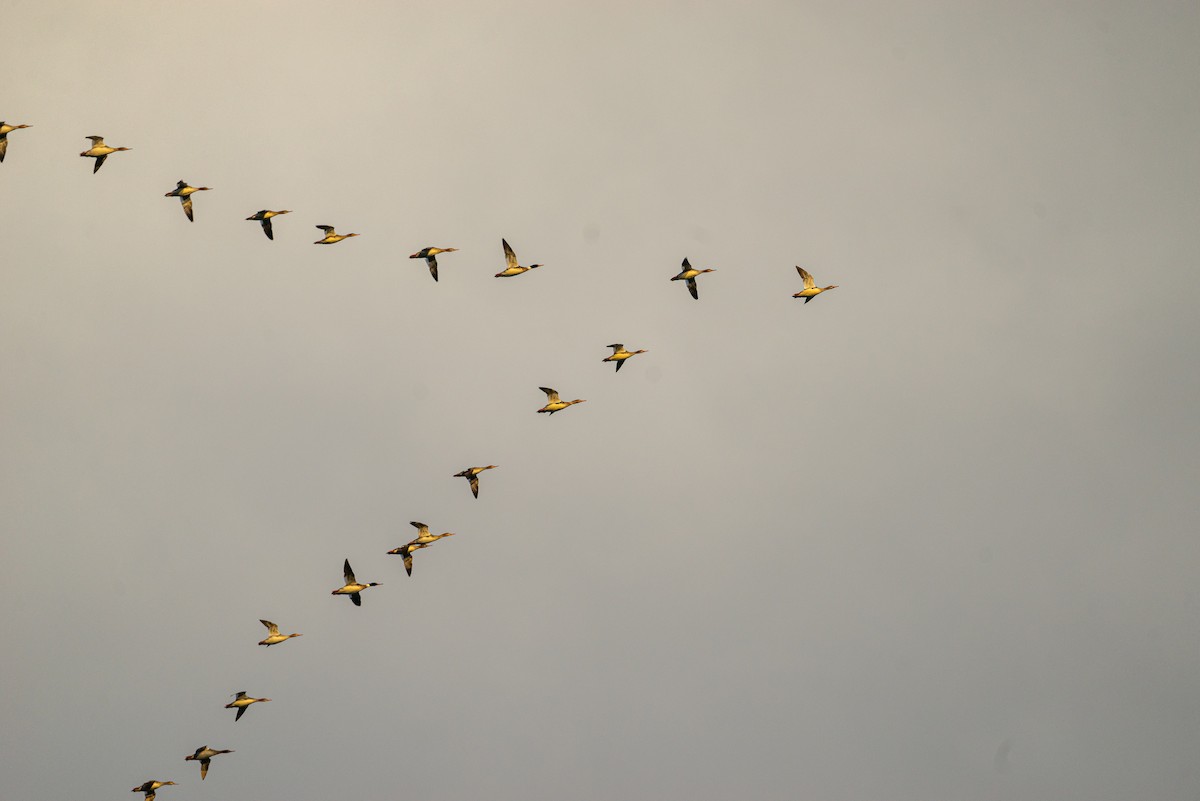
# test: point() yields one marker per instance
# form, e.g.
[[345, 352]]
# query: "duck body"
[[273, 635], [5, 130], [510, 260], [619, 355], [811, 290], [430, 256], [554, 403], [471, 474], [204, 755], [242, 702], [100, 151], [352, 587], [264, 217], [688, 275], [331, 236], [184, 193]]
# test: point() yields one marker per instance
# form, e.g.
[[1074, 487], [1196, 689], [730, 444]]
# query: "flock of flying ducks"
[[424, 539]]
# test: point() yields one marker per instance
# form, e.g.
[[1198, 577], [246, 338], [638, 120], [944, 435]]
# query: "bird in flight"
[[149, 786], [352, 587], [811, 290], [100, 151], [553, 404], [184, 193], [241, 702], [273, 635], [688, 274], [331, 236], [407, 552], [204, 755], [5, 130], [430, 256], [619, 355], [510, 260], [265, 216], [472, 474]]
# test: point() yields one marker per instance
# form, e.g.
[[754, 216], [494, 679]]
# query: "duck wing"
[[809, 283], [432, 262], [96, 169], [510, 258], [187, 207], [475, 486], [267, 228], [348, 573], [691, 285]]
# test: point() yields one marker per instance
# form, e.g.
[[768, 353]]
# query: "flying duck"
[[331, 236], [204, 755], [241, 702], [472, 474], [149, 786], [99, 151], [184, 193], [553, 404], [689, 274], [273, 635], [423, 535], [5, 130], [407, 551], [430, 257], [510, 259], [619, 355], [265, 216], [352, 587], [811, 290]]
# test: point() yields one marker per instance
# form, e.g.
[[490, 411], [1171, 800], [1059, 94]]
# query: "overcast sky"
[[930, 536]]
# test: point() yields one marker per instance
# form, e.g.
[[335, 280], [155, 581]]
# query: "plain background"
[[930, 536]]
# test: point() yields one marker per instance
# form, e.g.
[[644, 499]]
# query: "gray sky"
[[931, 536]]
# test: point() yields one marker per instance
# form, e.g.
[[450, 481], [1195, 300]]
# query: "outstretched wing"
[[475, 486], [187, 207], [204, 764], [809, 283], [271, 627], [691, 285], [356, 598], [326, 228], [241, 710], [348, 573], [96, 169], [267, 228], [510, 258], [551, 395], [432, 262]]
